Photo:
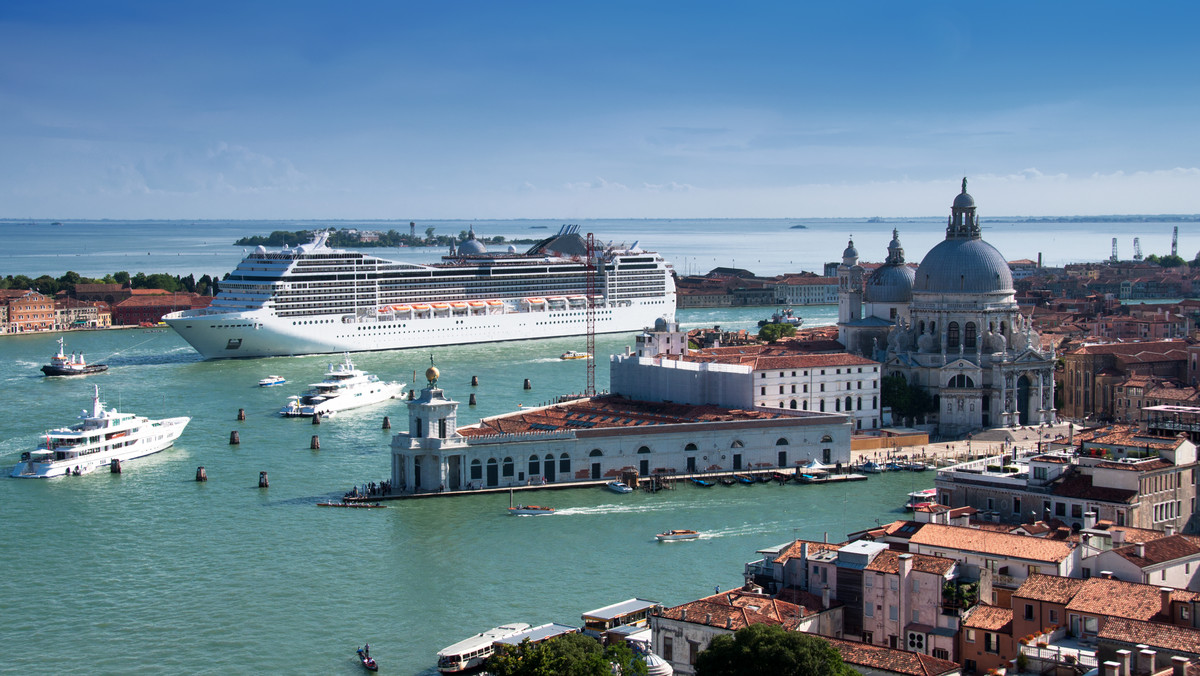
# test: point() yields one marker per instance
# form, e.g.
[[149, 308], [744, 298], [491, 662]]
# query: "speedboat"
[[472, 652], [677, 535], [345, 387], [530, 510], [102, 438], [572, 354], [618, 487], [922, 497], [870, 467], [270, 381], [62, 364]]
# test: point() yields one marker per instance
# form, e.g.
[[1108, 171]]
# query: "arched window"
[[793, 404], [737, 444], [507, 469], [564, 464], [826, 439], [781, 442], [952, 334], [969, 335], [837, 405], [860, 403], [535, 466], [644, 449], [804, 405], [849, 404], [690, 447], [596, 453], [961, 380], [822, 405], [921, 326]]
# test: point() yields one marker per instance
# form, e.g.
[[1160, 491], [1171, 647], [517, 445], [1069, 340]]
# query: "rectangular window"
[[1053, 616], [1028, 611], [668, 649], [869, 609], [893, 613], [693, 650], [970, 636], [892, 584], [991, 642], [1017, 506], [916, 616]]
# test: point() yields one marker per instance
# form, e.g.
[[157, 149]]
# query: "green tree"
[[121, 277], [568, 655], [906, 401], [770, 649], [1171, 261], [773, 332]]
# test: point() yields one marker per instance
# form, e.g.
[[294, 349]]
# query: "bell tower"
[[850, 291]]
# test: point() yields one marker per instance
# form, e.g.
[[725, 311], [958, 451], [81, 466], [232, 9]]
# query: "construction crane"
[[1113, 258], [1175, 242], [1137, 249], [590, 391]]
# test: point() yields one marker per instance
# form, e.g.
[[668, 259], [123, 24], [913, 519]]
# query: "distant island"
[[1161, 218], [354, 238], [798, 227]]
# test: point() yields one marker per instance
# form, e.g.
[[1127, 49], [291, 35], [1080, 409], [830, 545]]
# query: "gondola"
[[367, 661], [727, 481], [744, 478], [702, 483]]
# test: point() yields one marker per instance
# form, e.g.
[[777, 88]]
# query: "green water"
[[151, 572]]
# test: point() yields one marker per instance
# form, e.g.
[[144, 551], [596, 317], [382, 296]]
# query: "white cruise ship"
[[345, 387], [313, 299], [102, 437]]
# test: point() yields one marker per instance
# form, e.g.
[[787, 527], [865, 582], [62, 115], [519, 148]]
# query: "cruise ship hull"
[[260, 334]]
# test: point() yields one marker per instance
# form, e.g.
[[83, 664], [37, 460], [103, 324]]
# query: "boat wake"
[[616, 509], [743, 529]]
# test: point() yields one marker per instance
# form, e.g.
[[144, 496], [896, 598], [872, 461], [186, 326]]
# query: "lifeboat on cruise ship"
[[440, 306], [476, 303], [458, 304], [535, 301], [421, 307], [495, 303], [401, 308]]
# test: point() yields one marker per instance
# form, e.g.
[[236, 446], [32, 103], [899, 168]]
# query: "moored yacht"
[[345, 387], [101, 437]]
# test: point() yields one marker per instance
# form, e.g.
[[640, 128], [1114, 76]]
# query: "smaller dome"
[[964, 201], [471, 245], [660, 324], [431, 374], [850, 251], [890, 284]]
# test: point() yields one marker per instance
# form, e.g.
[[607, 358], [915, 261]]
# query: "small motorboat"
[[677, 535], [702, 483], [572, 354], [618, 487], [527, 510], [921, 497], [270, 381], [353, 505], [870, 467], [367, 661]]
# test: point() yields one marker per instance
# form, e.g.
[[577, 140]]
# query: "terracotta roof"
[[990, 542], [1147, 465], [1117, 598], [794, 550], [1080, 486], [891, 660], [736, 609], [1050, 588], [889, 562], [610, 411], [1149, 349], [989, 618], [1161, 636], [1158, 551]]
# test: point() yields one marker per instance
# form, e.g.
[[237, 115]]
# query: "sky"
[[575, 110]]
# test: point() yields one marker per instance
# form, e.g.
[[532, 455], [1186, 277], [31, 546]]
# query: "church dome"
[[963, 200], [850, 251], [471, 245], [890, 284], [964, 266]]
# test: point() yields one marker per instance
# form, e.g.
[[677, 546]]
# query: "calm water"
[[151, 572]]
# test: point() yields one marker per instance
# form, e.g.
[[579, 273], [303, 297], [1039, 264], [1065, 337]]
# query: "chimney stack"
[[825, 597], [708, 619], [729, 622], [1125, 657], [1089, 520], [1139, 549], [1179, 666], [1169, 529], [1118, 537], [683, 615], [1165, 594]]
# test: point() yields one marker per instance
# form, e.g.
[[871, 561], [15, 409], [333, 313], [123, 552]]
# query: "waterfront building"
[[805, 288], [958, 332], [151, 307], [74, 314], [783, 375], [1119, 473], [29, 310], [1092, 373], [601, 438]]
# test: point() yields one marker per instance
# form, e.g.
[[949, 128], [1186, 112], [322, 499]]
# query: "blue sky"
[[574, 110]]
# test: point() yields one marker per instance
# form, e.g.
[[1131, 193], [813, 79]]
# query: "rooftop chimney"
[[1169, 529], [729, 622], [1165, 594], [825, 597], [683, 615], [1089, 520], [1179, 665], [905, 565], [1118, 537], [1139, 549], [708, 619]]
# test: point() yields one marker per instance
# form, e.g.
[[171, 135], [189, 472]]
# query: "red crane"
[[590, 391]]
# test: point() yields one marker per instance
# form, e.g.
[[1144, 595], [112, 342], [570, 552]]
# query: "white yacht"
[[472, 652], [313, 299], [102, 437], [345, 387]]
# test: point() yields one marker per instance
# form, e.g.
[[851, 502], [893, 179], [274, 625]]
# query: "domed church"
[[954, 329]]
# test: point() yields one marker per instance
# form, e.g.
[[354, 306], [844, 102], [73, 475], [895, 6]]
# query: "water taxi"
[[921, 497], [271, 381], [618, 487], [672, 535]]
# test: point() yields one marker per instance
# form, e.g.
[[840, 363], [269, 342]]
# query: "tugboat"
[[63, 364]]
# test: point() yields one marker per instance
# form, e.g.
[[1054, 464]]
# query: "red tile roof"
[[889, 562], [1160, 636], [990, 542], [877, 657], [736, 609], [1158, 551], [989, 618]]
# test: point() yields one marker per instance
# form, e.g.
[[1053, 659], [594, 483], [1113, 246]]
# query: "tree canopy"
[[567, 655], [773, 332], [770, 650], [907, 401]]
